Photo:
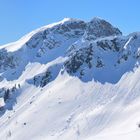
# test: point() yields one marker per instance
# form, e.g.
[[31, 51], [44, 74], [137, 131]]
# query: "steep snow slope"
[[71, 80]]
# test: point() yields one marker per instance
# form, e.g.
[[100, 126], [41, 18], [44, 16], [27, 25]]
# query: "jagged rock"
[[79, 58], [100, 28]]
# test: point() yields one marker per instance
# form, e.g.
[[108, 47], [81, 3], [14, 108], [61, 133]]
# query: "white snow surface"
[[70, 108]]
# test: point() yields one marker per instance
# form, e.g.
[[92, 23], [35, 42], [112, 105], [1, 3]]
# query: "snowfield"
[[71, 80]]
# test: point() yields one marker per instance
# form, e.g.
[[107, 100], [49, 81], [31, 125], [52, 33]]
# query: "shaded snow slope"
[[71, 80]]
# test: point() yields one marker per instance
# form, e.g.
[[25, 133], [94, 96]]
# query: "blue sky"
[[18, 17]]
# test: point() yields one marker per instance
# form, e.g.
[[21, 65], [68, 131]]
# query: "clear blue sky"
[[18, 17]]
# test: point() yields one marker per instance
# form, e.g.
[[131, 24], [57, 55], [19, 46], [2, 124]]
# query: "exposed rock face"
[[7, 60], [109, 44], [100, 28], [88, 46], [79, 58], [71, 28], [55, 36]]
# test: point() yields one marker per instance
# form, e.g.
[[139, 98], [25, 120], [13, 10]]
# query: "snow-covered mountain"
[[71, 80]]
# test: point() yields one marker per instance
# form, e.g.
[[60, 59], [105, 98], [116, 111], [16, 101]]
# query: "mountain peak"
[[97, 19], [98, 27]]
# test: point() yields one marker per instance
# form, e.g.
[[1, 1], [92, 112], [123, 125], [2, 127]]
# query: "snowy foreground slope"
[[71, 80]]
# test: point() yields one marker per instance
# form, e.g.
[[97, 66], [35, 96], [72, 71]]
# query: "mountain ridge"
[[80, 78]]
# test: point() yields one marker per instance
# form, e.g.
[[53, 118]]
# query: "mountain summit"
[[71, 80], [101, 28]]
